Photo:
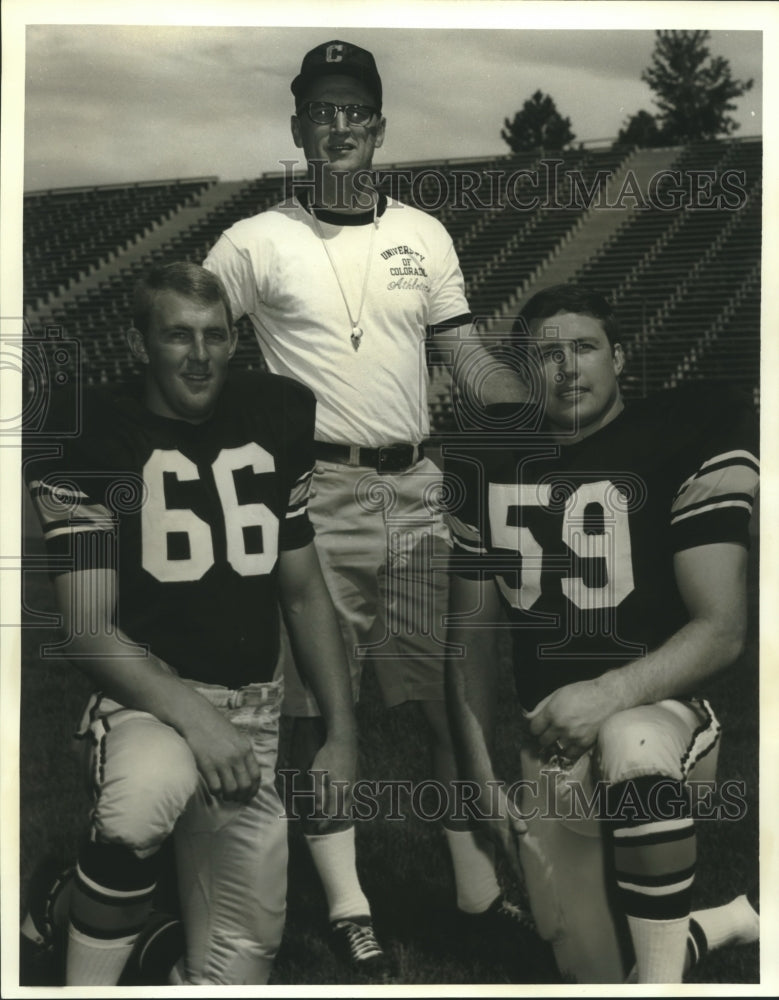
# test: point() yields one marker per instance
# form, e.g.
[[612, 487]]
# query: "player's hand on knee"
[[568, 721], [225, 758], [241, 781]]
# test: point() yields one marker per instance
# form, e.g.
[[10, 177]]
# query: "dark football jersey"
[[580, 538], [192, 516]]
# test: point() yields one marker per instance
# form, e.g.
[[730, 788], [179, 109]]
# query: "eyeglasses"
[[323, 112]]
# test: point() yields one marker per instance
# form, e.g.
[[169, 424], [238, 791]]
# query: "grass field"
[[404, 866]]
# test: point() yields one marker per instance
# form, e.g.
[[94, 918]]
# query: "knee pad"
[[147, 776], [635, 743]]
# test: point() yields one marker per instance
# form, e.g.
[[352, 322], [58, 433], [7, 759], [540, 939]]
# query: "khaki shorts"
[[383, 546]]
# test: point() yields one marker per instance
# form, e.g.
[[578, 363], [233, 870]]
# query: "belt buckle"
[[250, 697], [394, 458], [234, 699]]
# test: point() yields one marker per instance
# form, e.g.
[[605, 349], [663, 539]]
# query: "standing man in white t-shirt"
[[343, 287]]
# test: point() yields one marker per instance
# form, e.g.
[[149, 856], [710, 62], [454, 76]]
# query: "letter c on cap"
[[334, 53]]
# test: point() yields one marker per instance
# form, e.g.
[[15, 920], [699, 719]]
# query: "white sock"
[[474, 871], [94, 961], [335, 861], [734, 923], [660, 947]]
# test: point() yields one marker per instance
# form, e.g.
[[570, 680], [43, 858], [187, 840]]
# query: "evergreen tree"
[[539, 125], [693, 92], [641, 130]]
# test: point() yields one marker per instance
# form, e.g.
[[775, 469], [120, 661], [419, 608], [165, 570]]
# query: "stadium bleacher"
[[683, 268], [673, 272], [71, 230]]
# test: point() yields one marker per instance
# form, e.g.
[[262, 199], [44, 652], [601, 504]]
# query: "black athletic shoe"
[[506, 935], [41, 942], [159, 946], [355, 944], [503, 917]]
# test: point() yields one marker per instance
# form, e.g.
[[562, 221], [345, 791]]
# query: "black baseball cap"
[[341, 58]]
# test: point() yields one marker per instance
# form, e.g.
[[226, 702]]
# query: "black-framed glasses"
[[323, 112]]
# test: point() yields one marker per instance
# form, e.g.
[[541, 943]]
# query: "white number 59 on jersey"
[[159, 521], [611, 545]]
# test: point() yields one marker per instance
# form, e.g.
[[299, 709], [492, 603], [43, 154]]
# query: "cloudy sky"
[[109, 103]]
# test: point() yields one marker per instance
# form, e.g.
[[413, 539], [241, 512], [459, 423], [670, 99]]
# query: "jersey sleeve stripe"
[[73, 526], [465, 536], [296, 513], [727, 457], [297, 530], [737, 500], [60, 492], [716, 498], [737, 462], [93, 513], [463, 546], [708, 487], [295, 507], [717, 481], [298, 495]]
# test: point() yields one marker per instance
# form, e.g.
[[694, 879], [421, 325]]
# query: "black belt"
[[389, 458]]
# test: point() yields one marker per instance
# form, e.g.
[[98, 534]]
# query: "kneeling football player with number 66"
[[177, 528]]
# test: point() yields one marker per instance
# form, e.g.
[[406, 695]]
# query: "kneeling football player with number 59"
[[611, 539]]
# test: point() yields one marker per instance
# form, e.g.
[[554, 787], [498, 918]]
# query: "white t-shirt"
[[277, 271]]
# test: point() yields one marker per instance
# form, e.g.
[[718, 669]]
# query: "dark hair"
[[182, 276], [567, 299]]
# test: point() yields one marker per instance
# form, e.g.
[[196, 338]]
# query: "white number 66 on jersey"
[[158, 521]]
